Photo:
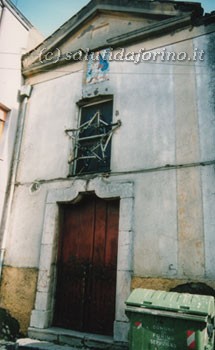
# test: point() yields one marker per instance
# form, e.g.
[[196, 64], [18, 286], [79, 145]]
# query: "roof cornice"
[[158, 29], [170, 14], [144, 8]]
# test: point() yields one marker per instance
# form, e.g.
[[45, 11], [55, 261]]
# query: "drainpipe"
[[25, 93], [1, 251]]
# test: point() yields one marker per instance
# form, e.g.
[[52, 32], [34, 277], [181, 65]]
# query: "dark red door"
[[86, 269]]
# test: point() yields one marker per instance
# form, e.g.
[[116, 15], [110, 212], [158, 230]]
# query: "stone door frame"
[[42, 315]]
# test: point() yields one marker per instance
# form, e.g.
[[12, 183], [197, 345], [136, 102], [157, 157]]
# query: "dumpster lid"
[[171, 301]]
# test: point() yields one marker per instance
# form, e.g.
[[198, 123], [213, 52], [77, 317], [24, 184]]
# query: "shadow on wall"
[[194, 288], [211, 64], [9, 326]]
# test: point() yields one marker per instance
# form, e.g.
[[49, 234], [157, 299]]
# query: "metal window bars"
[[92, 138]]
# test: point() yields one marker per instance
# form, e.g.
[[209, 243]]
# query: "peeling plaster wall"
[[18, 287], [166, 112], [160, 126], [162, 283]]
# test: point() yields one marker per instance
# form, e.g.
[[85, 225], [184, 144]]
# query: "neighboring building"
[[115, 180], [17, 36]]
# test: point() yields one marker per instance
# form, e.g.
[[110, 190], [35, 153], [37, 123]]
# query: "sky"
[[48, 15]]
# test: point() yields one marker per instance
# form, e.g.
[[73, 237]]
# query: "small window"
[[3, 115], [92, 139]]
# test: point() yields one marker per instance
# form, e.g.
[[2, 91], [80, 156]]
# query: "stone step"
[[32, 344], [77, 340]]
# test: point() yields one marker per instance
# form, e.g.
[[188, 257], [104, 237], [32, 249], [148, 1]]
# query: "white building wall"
[[155, 133], [15, 37], [206, 109], [167, 131], [13, 41]]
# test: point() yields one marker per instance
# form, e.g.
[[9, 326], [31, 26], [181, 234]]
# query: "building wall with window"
[[16, 36], [161, 163]]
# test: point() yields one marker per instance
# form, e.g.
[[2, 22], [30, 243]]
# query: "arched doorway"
[[87, 265], [42, 314]]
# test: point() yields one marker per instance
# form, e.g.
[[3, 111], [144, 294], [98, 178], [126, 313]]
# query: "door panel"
[[86, 269]]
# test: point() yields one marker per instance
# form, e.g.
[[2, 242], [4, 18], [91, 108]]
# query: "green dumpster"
[[163, 321]]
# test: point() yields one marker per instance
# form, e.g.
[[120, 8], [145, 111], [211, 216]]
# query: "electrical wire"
[[167, 167]]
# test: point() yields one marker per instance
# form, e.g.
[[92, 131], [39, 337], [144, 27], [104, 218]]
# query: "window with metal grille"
[[92, 139]]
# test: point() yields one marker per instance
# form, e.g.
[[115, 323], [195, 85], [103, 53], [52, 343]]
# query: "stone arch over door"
[[42, 315]]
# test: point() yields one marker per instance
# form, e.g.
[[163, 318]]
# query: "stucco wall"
[[18, 287], [13, 45], [160, 126], [15, 37], [166, 132], [206, 110], [164, 283]]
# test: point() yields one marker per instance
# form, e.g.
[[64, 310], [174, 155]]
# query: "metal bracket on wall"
[[98, 142]]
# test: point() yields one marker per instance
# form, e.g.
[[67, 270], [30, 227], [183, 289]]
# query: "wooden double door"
[[87, 265]]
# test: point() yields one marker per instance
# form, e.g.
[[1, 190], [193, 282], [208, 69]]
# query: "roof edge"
[[181, 7], [149, 32], [17, 13]]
